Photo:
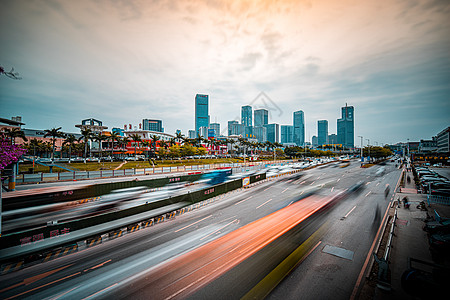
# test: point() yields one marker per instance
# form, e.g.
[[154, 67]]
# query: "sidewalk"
[[410, 240]]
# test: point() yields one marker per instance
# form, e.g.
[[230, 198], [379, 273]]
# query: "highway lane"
[[332, 269], [115, 257]]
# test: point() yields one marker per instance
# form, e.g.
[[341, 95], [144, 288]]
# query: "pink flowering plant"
[[9, 153]]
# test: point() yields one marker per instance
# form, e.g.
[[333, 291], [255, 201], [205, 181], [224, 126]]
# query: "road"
[[106, 269]]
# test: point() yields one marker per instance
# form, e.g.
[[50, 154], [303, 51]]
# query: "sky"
[[122, 61]]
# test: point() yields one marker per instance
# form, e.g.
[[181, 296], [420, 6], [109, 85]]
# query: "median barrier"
[[48, 237]]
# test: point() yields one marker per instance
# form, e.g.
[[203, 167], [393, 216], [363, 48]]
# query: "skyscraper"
[[345, 127], [322, 132], [260, 133], [201, 111], [230, 123], [261, 117], [246, 115], [287, 134], [273, 132], [299, 128]]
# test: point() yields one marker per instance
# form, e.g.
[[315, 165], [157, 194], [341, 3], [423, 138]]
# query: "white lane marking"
[[350, 211], [284, 190], [303, 182], [368, 193], [264, 203], [193, 223], [218, 229], [332, 188], [368, 182], [377, 184], [267, 188], [301, 192], [312, 183], [338, 179], [243, 200]]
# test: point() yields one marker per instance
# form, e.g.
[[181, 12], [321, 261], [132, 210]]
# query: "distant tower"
[[322, 132], [246, 115], [346, 127], [201, 111], [299, 128]]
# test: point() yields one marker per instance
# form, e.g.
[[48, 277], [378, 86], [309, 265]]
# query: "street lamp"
[[361, 148], [368, 146]]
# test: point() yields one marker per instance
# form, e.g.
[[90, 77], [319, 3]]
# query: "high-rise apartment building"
[[322, 132], [152, 125], [332, 139], [261, 117], [192, 134], [299, 128], [273, 132], [345, 127], [201, 111], [246, 115], [236, 129], [287, 134]]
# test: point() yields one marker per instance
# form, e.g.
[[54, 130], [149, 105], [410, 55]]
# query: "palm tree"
[[70, 140], [99, 137], [180, 137], [136, 138], [35, 144], [172, 142], [113, 137], [146, 144], [122, 142], [86, 135], [54, 133], [15, 132], [155, 139]]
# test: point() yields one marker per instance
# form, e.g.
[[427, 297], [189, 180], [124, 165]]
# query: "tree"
[[136, 138], [113, 137], [86, 135], [122, 142], [188, 150], [15, 132], [155, 140], [179, 137], [175, 151], [201, 151], [54, 133], [70, 140], [146, 144], [9, 153], [99, 137]]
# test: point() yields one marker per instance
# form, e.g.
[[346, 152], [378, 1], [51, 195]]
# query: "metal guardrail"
[[77, 175], [383, 263], [436, 199]]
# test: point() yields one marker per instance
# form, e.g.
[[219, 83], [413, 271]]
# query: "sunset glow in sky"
[[122, 61]]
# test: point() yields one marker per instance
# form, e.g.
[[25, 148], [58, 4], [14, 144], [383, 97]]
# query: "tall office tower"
[[246, 115], [346, 127], [287, 134], [299, 128], [248, 132], [230, 123], [192, 134], [203, 132], [260, 133], [261, 117], [201, 112], [216, 128], [322, 132], [152, 125], [273, 132]]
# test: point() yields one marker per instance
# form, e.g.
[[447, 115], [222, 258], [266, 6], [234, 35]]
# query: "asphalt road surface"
[[330, 271]]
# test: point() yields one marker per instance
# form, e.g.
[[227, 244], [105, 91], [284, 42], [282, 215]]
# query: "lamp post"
[[361, 149], [368, 146]]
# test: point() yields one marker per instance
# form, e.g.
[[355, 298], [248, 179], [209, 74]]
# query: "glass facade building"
[[273, 132], [230, 124], [201, 111], [152, 125], [246, 116], [216, 128], [236, 129], [261, 117], [345, 127], [322, 132], [260, 133], [287, 134], [299, 128]]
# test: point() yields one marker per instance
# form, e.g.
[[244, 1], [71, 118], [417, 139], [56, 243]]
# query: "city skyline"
[[123, 62]]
